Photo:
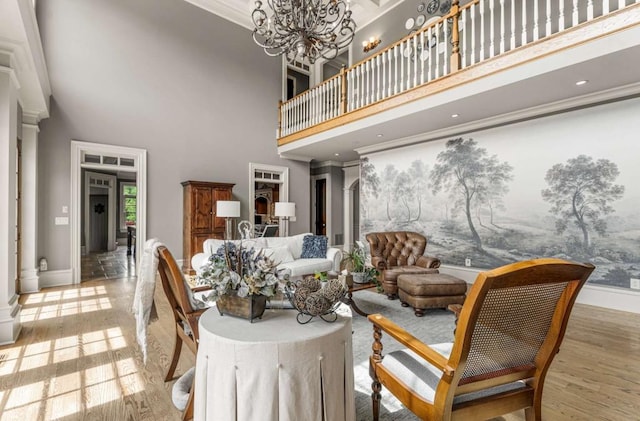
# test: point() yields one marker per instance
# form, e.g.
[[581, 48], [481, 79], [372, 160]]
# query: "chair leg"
[[176, 356], [188, 410], [375, 398]]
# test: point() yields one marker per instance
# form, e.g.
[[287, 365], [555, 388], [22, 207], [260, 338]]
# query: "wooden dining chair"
[[185, 315], [510, 328]]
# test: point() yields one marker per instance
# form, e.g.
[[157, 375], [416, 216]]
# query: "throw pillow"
[[314, 247]]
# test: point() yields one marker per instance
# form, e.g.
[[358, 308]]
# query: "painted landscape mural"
[[545, 188]]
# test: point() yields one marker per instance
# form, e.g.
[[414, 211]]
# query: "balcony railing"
[[466, 36]]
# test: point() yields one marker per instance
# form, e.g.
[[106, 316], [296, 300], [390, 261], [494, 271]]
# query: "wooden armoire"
[[200, 221]]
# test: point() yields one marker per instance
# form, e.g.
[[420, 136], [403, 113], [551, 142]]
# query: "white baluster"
[[372, 82], [352, 92], [389, 54], [482, 29], [438, 52], [361, 93], [561, 16], [473, 37], [408, 61], [402, 48], [430, 50], [502, 29], [421, 56], [590, 10], [378, 88], [415, 60], [621, 4], [383, 88], [574, 14], [463, 38], [397, 75], [446, 53], [524, 25], [605, 7], [492, 35], [512, 24], [548, 22], [536, 16]]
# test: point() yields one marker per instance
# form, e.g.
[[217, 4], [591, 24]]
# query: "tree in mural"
[[369, 182], [581, 191], [418, 177], [389, 175], [403, 193], [468, 174]]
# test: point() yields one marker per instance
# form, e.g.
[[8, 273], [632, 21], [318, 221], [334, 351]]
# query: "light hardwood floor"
[[77, 359]]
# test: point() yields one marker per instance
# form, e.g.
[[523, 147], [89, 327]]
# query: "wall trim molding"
[[611, 298], [55, 278]]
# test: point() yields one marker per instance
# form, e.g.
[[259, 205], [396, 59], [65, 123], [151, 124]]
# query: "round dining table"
[[274, 368]]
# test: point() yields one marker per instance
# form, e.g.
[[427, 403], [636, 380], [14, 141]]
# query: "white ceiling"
[[239, 11]]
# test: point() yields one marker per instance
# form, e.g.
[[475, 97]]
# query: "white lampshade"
[[227, 209], [286, 209]]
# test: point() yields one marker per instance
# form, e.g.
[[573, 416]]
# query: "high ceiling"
[[239, 11]]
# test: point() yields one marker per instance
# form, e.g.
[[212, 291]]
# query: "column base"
[[29, 281], [10, 325]]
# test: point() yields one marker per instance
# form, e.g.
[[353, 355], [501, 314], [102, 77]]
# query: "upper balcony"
[[487, 62]]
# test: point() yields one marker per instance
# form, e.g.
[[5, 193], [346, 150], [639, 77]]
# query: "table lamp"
[[285, 210], [228, 209]]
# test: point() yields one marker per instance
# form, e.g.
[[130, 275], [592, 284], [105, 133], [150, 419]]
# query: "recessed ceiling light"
[[581, 82], [337, 154], [455, 115], [379, 135]]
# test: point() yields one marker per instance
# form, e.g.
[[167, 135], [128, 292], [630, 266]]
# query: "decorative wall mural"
[[500, 197]]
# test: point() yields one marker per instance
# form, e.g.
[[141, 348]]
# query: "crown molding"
[[610, 95], [226, 10]]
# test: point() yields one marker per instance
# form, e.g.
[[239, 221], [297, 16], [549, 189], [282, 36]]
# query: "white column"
[[348, 218], [9, 307], [29, 265]]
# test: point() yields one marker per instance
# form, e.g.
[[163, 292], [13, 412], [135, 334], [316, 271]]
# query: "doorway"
[[320, 226], [321, 222], [101, 158], [268, 184]]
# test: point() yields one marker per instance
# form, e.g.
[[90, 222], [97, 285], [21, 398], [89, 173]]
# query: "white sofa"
[[286, 250]]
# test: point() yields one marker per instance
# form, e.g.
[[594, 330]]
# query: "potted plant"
[[354, 262], [241, 280]]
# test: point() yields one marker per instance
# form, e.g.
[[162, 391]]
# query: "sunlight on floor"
[[363, 385], [63, 390]]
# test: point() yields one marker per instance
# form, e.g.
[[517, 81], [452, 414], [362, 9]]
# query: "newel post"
[[279, 119], [455, 36], [343, 90]]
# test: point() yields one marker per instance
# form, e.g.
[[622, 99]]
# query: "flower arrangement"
[[241, 271]]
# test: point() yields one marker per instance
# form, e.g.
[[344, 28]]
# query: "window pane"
[[130, 190]]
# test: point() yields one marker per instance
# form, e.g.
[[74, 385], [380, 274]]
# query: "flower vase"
[[250, 307]]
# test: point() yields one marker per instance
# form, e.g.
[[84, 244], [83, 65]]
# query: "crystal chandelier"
[[303, 29]]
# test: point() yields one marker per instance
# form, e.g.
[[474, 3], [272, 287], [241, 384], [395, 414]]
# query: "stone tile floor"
[[108, 265]]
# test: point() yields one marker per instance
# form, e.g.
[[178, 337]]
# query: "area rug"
[[436, 326]]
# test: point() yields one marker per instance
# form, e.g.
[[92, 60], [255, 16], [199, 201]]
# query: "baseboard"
[[29, 281], [55, 278], [612, 298], [594, 295]]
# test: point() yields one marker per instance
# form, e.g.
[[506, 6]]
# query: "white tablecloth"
[[274, 368]]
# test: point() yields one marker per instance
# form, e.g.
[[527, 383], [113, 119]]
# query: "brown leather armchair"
[[399, 252]]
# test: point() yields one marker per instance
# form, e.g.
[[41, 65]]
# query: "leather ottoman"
[[431, 290]]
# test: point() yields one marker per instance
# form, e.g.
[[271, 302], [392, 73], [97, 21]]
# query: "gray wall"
[[189, 87]]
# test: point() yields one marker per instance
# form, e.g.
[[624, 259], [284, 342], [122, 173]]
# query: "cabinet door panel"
[[202, 209], [220, 194]]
